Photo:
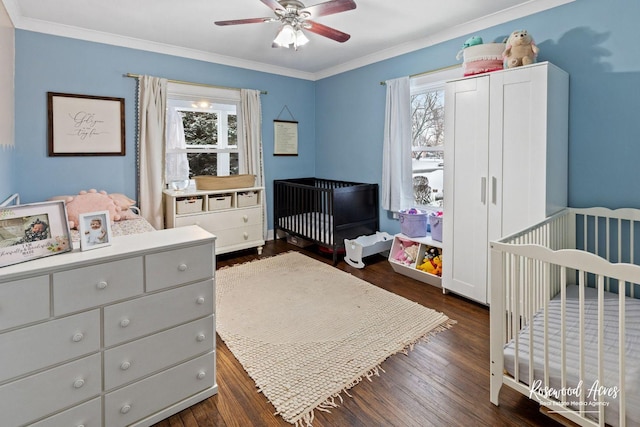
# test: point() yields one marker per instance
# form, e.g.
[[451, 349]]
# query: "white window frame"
[[188, 97], [427, 82]]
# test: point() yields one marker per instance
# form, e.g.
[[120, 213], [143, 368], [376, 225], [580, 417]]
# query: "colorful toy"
[[408, 253], [520, 50], [432, 262]]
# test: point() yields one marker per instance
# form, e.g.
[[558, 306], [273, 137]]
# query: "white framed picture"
[[95, 230]]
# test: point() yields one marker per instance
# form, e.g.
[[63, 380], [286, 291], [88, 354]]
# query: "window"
[[427, 137], [209, 120]]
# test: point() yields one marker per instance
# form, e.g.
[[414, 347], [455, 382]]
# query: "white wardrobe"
[[506, 160]]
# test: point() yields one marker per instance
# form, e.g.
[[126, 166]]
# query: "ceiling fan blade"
[[325, 31], [330, 7], [243, 21], [273, 4]]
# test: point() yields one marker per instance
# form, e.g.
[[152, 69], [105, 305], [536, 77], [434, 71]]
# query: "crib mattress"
[[313, 225], [632, 351]]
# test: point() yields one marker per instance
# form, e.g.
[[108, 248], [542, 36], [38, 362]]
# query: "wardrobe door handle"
[[494, 189], [483, 190]]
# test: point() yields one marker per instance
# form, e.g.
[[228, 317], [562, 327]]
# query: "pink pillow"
[[91, 201], [121, 200]]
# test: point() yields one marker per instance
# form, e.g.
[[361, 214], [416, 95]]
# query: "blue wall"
[[593, 40], [56, 64], [341, 117]]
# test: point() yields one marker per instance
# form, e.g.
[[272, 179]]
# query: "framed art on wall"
[[285, 138], [32, 231], [95, 230], [84, 125]]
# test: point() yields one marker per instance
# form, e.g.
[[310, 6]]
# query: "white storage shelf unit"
[[411, 270], [235, 216]]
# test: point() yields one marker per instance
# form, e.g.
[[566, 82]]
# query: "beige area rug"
[[306, 332]]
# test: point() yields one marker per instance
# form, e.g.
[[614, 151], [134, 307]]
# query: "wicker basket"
[[207, 182]]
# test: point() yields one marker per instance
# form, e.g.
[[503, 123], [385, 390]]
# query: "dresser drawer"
[[146, 315], [179, 266], [89, 414], [238, 236], [95, 285], [47, 392], [131, 361], [35, 347], [139, 400], [24, 301], [216, 221]]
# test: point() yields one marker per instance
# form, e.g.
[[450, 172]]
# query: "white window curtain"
[[177, 164], [251, 140], [397, 188], [152, 101]]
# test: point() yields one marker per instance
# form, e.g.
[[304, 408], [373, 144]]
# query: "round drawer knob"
[[124, 323], [246, 235], [125, 409], [200, 337], [201, 375], [78, 337], [78, 383], [182, 267], [245, 218], [102, 285], [125, 365], [200, 300]]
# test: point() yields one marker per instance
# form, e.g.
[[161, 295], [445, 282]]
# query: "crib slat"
[[601, 380], [621, 357]]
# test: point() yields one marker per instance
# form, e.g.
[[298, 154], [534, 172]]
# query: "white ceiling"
[[379, 29]]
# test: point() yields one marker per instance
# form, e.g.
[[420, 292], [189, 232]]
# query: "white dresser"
[[117, 336], [235, 216]]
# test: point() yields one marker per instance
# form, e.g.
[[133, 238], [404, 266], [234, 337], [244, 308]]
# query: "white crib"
[[555, 289]]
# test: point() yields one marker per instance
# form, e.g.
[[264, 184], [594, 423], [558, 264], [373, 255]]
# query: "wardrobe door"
[[466, 184], [523, 143]]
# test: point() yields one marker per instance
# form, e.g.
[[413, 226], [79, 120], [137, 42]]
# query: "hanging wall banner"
[[285, 138]]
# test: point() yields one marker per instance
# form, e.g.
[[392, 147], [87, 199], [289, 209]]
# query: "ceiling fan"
[[295, 17]]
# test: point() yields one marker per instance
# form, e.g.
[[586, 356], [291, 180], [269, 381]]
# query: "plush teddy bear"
[[520, 50], [90, 201]]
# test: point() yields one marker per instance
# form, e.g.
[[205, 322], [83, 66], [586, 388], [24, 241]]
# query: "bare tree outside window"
[[427, 147], [204, 150]]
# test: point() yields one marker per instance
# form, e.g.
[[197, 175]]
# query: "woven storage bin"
[[413, 224], [220, 202], [188, 205], [483, 58], [207, 182], [250, 198], [435, 223]]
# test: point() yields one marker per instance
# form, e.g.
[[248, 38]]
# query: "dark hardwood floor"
[[443, 382]]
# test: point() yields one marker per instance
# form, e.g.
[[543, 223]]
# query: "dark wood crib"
[[324, 211]]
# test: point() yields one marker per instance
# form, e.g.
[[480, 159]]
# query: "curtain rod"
[[135, 76], [424, 73]]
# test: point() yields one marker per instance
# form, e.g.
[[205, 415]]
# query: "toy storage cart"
[[408, 267]]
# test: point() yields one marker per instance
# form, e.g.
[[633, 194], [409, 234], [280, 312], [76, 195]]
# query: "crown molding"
[[55, 29], [516, 12]]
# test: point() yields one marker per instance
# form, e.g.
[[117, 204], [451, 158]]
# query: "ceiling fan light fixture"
[[286, 36], [289, 36], [301, 39]]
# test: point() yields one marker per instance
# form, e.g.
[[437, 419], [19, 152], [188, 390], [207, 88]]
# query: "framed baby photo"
[[95, 230], [33, 230]]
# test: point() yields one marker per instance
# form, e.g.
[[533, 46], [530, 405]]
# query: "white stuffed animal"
[[520, 50]]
